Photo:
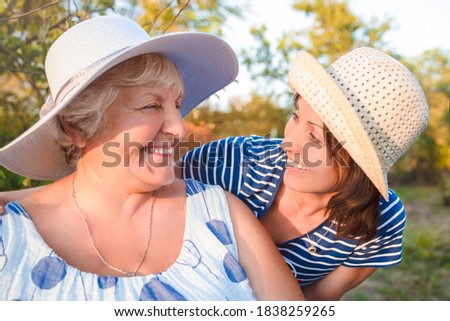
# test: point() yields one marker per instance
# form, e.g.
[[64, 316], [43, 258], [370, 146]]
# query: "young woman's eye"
[[314, 139], [294, 115]]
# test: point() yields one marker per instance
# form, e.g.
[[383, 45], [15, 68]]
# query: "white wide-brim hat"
[[369, 101], [88, 49]]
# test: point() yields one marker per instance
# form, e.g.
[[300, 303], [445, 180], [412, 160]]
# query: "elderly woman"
[[116, 224]]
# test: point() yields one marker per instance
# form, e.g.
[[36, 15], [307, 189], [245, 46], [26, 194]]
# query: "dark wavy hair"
[[355, 203]]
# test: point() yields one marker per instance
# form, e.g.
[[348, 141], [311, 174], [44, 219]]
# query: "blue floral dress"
[[207, 267]]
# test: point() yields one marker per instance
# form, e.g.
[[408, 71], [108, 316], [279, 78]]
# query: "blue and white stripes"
[[252, 168]]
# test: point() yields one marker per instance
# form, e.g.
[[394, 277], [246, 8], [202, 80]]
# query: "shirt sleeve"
[[216, 163], [386, 249]]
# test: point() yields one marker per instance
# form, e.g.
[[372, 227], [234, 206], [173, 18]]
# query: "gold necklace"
[[313, 246], [97, 252]]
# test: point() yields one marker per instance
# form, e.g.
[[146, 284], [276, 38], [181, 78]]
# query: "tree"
[[27, 28], [259, 115], [334, 30], [429, 158], [160, 16]]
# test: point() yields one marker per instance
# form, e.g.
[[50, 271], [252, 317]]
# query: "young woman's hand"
[[2, 204], [9, 196]]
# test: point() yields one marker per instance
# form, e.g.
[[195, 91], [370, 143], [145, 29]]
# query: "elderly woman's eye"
[[152, 106]]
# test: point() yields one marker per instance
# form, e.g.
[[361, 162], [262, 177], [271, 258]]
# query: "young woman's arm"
[[359, 266], [9, 196], [268, 274], [333, 286]]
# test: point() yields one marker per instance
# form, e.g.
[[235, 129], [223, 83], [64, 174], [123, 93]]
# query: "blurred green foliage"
[[424, 273], [334, 30], [27, 28]]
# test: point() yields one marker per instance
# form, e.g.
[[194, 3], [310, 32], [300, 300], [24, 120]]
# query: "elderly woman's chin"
[[154, 175], [141, 176]]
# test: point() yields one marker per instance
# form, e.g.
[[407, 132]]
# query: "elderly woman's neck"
[[91, 194]]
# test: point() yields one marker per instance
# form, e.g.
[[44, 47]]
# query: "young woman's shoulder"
[[393, 215]]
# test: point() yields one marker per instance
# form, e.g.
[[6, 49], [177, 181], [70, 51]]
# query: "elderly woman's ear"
[[76, 135]]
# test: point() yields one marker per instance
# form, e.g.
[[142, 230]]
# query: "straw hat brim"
[[206, 63], [317, 87]]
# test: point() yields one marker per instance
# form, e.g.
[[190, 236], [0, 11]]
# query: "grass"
[[424, 274]]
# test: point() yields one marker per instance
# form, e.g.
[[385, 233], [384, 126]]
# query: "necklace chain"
[[91, 240], [313, 245]]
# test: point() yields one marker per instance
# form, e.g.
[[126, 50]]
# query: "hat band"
[[72, 83]]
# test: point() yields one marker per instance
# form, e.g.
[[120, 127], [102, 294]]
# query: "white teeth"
[[161, 150], [296, 165]]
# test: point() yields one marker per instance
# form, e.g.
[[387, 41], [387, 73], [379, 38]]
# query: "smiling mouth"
[[292, 163], [159, 150]]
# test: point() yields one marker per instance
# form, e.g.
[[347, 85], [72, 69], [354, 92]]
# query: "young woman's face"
[[136, 146], [309, 168]]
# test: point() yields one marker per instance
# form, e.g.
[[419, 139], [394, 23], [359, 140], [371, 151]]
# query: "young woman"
[[116, 224], [322, 191]]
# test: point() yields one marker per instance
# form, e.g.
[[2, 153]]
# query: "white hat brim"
[[317, 87], [206, 63]]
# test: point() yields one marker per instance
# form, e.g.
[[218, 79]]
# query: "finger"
[[2, 208]]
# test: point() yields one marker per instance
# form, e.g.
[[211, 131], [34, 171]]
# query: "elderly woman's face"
[[137, 144]]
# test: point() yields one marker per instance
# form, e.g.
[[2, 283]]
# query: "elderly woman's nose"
[[174, 124]]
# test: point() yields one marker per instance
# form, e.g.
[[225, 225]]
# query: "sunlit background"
[[266, 36]]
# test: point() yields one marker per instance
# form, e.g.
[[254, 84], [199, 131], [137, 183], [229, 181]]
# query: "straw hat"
[[87, 50], [370, 102]]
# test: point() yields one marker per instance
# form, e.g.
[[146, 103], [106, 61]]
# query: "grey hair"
[[86, 113]]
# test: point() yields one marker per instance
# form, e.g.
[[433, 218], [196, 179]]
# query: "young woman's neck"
[[310, 203]]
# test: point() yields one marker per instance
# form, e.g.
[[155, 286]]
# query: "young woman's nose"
[[291, 140]]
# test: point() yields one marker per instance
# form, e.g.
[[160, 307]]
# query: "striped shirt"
[[252, 168]]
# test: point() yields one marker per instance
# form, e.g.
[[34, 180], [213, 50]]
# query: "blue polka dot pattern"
[[37, 273], [220, 230], [48, 272], [105, 282], [234, 270], [155, 290]]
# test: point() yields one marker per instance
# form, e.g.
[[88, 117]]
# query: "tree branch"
[[29, 12], [22, 69], [160, 12], [153, 23], [33, 38], [176, 16]]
